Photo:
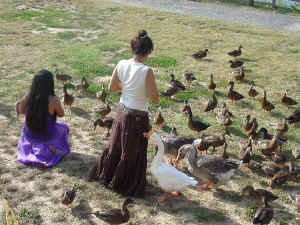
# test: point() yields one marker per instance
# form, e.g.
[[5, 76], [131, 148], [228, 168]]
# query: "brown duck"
[[102, 94], [247, 123], [106, 123], [224, 119], [270, 168], [236, 52], [263, 215], [279, 158], [252, 92], [287, 101], [159, 120], [294, 118], [68, 99], [233, 95], [258, 194], [200, 54], [115, 216], [62, 77], [103, 111], [177, 83], [68, 196], [236, 63], [212, 103], [265, 104], [170, 92], [194, 125], [238, 75], [246, 152], [266, 147], [189, 77], [82, 84], [282, 176], [252, 131], [212, 85]]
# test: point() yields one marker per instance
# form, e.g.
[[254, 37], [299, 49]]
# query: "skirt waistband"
[[133, 111]]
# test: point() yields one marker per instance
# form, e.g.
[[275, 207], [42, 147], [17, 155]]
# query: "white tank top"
[[132, 75]]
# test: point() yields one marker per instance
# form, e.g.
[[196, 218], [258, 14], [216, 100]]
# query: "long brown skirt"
[[122, 165]]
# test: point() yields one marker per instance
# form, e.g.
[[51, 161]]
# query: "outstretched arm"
[[151, 87], [115, 84]]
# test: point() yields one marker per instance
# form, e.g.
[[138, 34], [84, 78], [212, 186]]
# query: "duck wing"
[[111, 216], [263, 216], [216, 164]]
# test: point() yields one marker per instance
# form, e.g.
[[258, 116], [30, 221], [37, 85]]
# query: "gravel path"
[[241, 15]]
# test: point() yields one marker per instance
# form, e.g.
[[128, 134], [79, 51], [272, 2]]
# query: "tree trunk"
[[251, 2], [273, 3]]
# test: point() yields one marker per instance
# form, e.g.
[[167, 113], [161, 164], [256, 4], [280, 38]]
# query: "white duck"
[[168, 177]]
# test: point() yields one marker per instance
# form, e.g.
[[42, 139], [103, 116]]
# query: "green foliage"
[[162, 61], [21, 16], [93, 88], [282, 221], [250, 211]]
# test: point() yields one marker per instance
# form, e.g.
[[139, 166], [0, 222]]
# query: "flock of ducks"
[[213, 170]]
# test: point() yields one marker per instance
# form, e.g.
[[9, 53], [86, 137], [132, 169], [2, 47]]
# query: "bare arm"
[[115, 84], [58, 108], [151, 87], [20, 105]]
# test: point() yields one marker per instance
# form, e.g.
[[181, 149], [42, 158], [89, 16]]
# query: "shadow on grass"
[[81, 210], [277, 115], [5, 110], [228, 196], [80, 112], [236, 132], [179, 206]]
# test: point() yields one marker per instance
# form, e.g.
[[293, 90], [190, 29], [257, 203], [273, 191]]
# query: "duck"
[[238, 75], [279, 158], [212, 170], [106, 122], [252, 131], [224, 119], [294, 118], [212, 85], [189, 77], [282, 176], [265, 104], [268, 136], [252, 92], [258, 194], [233, 95], [223, 110], [236, 63], [283, 126], [287, 101], [177, 83], [236, 52], [68, 196], [171, 91], [246, 152], [200, 54], [296, 152], [62, 77], [115, 216], [68, 99], [101, 95], [103, 111], [266, 147], [263, 215], [194, 125], [247, 123], [213, 140], [82, 84], [168, 177], [225, 155], [212, 103], [159, 120], [270, 168], [172, 144], [296, 200]]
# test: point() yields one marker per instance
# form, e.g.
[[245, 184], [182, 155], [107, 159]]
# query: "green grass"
[[161, 61], [205, 215], [66, 35]]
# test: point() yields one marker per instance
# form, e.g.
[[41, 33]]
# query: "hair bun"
[[142, 34]]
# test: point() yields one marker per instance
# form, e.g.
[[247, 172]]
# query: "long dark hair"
[[141, 44], [38, 100]]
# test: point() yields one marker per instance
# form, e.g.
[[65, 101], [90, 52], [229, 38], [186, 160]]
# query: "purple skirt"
[[44, 150]]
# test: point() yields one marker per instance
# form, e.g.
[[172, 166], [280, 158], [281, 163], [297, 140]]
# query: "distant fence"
[[272, 3]]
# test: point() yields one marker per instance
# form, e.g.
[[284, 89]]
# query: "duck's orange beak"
[[148, 134]]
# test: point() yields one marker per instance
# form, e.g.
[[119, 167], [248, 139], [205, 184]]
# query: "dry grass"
[[88, 39]]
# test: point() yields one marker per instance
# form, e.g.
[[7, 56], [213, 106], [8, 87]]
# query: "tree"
[[251, 2]]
